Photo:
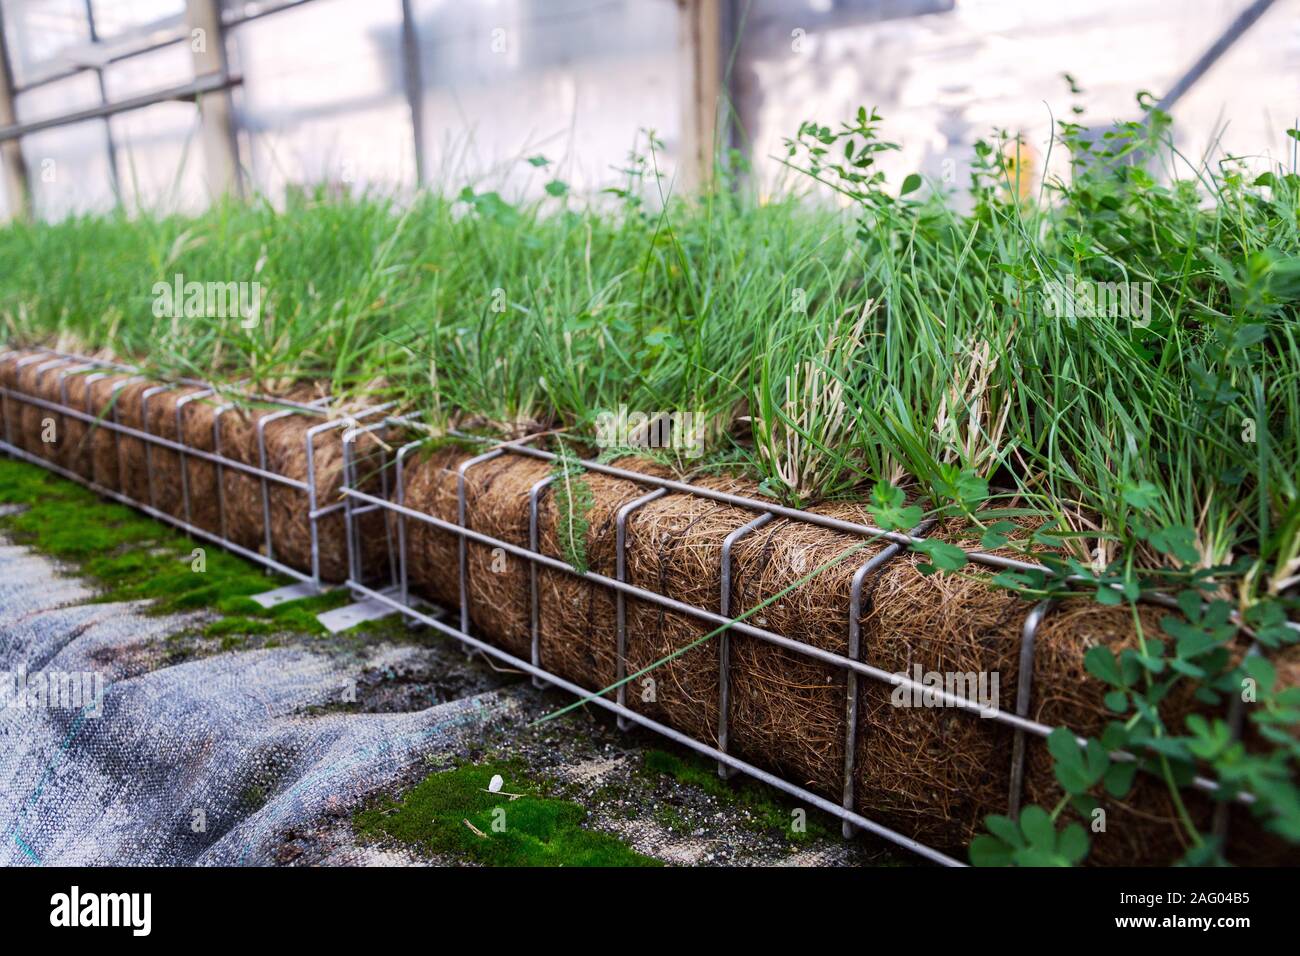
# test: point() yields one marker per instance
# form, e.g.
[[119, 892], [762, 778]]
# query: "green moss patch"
[[767, 811], [130, 557], [453, 812]]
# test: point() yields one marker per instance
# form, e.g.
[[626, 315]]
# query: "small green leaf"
[[1115, 736], [996, 535], [1261, 670], [888, 511], [1195, 644], [1037, 826], [1100, 663], [1005, 829], [989, 851], [1119, 778], [1108, 596], [945, 556], [1178, 541], [1073, 843], [1096, 759], [1143, 496], [1068, 761]]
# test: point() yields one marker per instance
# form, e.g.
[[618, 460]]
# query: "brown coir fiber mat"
[[82, 448], [931, 772], [92, 450], [497, 503], [240, 506], [168, 491], [776, 695], [132, 463], [13, 405], [38, 424], [919, 760], [579, 636], [121, 462]]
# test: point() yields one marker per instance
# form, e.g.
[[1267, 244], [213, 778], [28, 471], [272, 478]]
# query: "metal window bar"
[[209, 83], [150, 38]]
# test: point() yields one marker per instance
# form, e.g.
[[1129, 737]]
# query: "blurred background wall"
[[393, 93]]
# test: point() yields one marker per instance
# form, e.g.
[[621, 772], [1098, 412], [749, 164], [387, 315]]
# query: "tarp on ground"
[[208, 761]]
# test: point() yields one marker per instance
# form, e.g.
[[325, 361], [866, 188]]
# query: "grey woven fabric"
[[208, 761]]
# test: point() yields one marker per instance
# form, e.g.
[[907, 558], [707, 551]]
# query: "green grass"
[[530, 830], [897, 340]]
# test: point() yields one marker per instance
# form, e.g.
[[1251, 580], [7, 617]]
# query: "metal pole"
[[702, 26], [1024, 692], [148, 446], [1245, 20], [114, 178], [402, 572], [216, 109], [414, 82], [262, 422], [852, 697], [16, 184], [462, 549], [534, 598]]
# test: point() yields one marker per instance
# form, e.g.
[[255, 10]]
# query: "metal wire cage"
[[387, 461], [398, 597], [63, 365]]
